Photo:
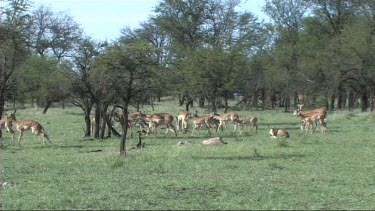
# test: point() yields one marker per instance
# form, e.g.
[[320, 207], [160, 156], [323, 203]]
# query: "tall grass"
[[252, 171]]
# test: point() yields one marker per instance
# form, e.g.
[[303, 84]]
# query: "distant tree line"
[[317, 52]]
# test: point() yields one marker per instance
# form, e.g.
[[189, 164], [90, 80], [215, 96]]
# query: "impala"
[[182, 120], [224, 118], [307, 125], [300, 107], [311, 118], [322, 112], [277, 133], [92, 125], [208, 120], [2, 125], [246, 122], [25, 125], [155, 120], [134, 119]]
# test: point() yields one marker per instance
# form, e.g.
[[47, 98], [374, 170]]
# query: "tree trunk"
[[263, 91], [104, 121], [2, 103], [88, 124], [372, 100], [189, 103], [97, 120], [339, 99], [48, 104], [226, 105], [286, 103], [332, 103], [364, 103], [201, 102], [125, 129], [351, 100], [181, 99]]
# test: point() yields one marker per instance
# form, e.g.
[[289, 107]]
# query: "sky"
[[104, 19]]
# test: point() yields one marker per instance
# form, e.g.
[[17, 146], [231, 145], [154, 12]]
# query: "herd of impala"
[[311, 121], [150, 122]]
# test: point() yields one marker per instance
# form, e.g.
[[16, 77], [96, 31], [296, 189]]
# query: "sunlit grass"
[[252, 171]]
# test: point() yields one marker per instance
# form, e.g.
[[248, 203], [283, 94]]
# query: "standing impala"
[[182, 120], [246, 122], [25, 125], [308, 119], [155, 120], [224, 118]]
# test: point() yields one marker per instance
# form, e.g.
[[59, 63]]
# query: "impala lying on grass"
[[278, 133], [36, 128]]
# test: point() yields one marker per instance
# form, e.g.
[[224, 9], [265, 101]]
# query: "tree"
[[12, 47], [129, 69], [53, 34], [45, 79], [287, 16], [84, 97]]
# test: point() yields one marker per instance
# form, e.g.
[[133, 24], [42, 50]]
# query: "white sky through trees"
[[104, 19]]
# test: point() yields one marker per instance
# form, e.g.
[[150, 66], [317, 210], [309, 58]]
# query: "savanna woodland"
[[208, 55]]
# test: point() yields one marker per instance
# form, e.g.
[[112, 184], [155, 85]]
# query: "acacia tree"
[[12, 47], [83, 93], [129, 67], [211, 32]]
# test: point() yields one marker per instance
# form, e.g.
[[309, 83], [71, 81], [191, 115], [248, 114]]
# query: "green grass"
[[333, 171]]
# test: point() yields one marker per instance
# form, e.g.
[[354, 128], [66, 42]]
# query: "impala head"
[[273, 132], [12, 116], [300, 107]]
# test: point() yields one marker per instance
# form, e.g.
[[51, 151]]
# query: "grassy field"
[[333, 171]]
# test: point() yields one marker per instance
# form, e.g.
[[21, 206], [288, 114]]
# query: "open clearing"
[[333, 171]]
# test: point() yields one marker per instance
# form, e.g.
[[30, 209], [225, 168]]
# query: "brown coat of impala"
[[25, 125], [182, 120], [155, 120], [224, 118]]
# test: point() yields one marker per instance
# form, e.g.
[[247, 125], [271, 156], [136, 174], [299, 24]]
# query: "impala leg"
[[20, 137], [13, 138], [174, 129]]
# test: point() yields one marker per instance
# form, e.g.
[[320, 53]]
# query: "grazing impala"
[[313, 117], [22, 126], [134, 119], [155, 120], [224, 118], [321, 111], [208, 120], [198, 122], [182, 120], [246, 122]]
